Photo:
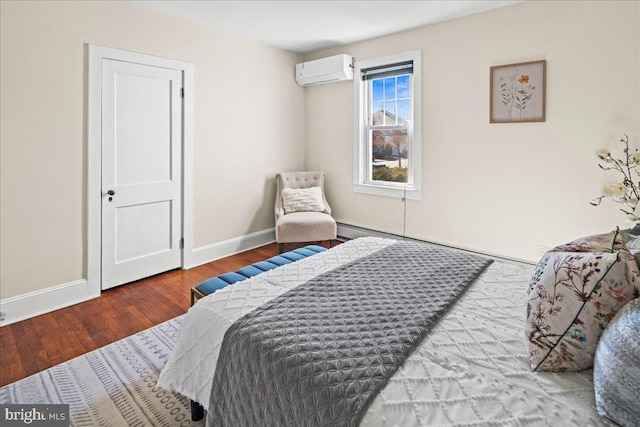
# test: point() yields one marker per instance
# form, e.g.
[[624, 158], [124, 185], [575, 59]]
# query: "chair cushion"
[[305, 227]]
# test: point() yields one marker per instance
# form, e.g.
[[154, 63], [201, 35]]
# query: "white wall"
[[501, 188], [248, 125], [498, 188]]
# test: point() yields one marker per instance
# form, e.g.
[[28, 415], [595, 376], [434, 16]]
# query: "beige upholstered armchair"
[[302, 211]]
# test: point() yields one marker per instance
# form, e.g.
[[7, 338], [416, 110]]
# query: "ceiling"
[[307, 26]]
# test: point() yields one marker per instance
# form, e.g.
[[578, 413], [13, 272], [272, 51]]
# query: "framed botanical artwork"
[[518, 92]]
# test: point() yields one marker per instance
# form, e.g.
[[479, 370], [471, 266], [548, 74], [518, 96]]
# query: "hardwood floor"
[[41, 342]]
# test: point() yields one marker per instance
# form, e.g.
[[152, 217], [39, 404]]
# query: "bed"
[[472, 369]]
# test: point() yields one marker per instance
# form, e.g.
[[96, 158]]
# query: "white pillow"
[[302, 200]]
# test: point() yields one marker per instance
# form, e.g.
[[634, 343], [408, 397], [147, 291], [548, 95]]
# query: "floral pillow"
[[607, 242], [615, 241], [633, 244], [572, 297]]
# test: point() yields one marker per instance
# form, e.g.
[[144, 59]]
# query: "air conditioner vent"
[[325, 70]]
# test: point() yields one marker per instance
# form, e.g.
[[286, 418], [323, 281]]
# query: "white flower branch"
[[626, 191]]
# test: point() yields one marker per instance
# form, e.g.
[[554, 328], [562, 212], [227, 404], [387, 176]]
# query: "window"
[[387, 142]]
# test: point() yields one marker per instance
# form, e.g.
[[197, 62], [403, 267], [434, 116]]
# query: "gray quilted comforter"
[[318, 354]]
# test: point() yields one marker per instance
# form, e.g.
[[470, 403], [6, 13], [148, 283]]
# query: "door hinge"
[[182, 92], [182, 243]]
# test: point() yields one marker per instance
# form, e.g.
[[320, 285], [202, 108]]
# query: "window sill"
[[380, 190]]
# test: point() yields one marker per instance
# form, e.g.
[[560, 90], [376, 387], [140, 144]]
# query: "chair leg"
[[197, 411], [280, 247], [332, 243]]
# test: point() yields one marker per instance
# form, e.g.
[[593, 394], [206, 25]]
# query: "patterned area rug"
[[112, 386]]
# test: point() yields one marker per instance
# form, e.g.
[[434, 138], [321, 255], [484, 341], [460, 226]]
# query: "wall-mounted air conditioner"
[[326, 70]]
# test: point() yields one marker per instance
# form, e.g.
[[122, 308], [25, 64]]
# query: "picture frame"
[[518, 92]]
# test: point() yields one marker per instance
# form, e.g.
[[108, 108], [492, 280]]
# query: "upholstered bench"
[[209, 286]]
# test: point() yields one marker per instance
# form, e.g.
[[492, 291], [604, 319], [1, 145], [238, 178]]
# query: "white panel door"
[[141, 171]]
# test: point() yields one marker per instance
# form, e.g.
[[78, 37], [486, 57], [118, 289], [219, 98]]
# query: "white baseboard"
[[353, 232], [35, 303], [349, 232], [205, 254], [44, 301]]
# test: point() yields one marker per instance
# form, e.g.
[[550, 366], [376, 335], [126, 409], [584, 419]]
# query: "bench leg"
[[197, 411]]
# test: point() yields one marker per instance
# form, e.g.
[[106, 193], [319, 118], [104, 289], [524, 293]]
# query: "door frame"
[[94, 154]]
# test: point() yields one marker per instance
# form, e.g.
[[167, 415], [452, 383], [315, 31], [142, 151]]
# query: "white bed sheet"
[[471, 370]]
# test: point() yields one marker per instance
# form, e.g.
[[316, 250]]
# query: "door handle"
[[111, 192]]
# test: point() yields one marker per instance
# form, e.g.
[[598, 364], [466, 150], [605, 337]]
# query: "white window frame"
[[361, 150]]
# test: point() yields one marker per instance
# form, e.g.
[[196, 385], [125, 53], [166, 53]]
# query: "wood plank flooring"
[[41, 342]]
